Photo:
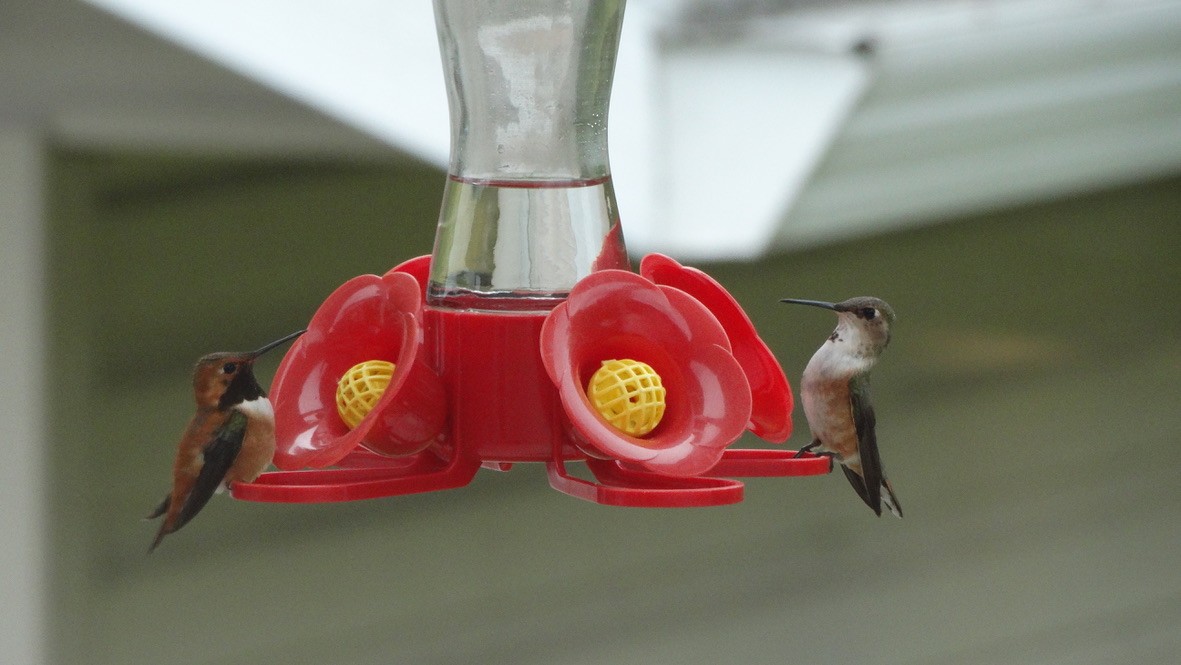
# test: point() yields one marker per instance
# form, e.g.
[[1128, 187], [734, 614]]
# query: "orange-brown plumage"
[[189, 460], [231, 438], [838, 434]]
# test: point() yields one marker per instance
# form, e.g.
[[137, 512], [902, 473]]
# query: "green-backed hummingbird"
[[835, 393]]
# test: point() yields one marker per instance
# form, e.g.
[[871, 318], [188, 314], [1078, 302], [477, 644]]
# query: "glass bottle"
[[528, 208]]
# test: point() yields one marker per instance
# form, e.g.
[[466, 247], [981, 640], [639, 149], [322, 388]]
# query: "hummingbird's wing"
[[867, 442], [219, 456]]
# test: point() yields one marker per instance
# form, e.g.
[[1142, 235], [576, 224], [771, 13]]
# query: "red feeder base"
[[500, 406]]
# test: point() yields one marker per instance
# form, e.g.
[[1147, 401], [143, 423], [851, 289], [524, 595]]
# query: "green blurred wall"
[[1029, 413]]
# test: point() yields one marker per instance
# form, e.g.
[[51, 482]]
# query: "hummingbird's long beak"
[[282, 340], [814, 303]]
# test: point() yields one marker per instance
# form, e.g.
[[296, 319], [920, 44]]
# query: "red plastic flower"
[[367, 318], [770, 416], [614, 314]]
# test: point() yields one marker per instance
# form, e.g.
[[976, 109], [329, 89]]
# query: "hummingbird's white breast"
[[258, 444], [259, 407], [847, 353]]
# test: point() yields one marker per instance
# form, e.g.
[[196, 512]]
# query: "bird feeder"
[[526, 337]]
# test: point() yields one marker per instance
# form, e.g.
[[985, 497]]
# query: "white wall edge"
[[23, 624]]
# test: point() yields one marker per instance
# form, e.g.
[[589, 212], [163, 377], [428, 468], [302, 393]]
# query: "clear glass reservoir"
[[529, 207]]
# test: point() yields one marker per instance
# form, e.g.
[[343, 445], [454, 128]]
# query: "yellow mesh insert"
[[628, 394], [360, 388]]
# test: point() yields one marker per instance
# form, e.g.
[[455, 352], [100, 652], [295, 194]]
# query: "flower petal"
[[419, 268], [366, 318], [617, 314], [772, 407]]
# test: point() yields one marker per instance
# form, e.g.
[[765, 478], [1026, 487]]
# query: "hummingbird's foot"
[[811, 449], [807, 449]]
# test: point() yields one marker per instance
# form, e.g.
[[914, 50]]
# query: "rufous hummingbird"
[[230, 439], [835, 393]]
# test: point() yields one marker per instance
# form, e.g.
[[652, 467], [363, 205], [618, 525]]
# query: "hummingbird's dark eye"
[[229, 368], [868, 313]]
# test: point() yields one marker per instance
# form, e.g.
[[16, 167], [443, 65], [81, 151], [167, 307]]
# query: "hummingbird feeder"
[[525, 336]]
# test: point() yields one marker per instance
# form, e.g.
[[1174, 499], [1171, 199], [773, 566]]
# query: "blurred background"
[[1007, 174]]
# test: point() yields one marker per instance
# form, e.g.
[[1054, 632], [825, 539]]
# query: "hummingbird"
[[230, 439], [835, 393]]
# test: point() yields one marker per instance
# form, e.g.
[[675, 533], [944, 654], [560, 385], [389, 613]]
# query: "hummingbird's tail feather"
[[886, 498], [858, 484], [160, 509], [890, 500], [167, 526], [165, 529]]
